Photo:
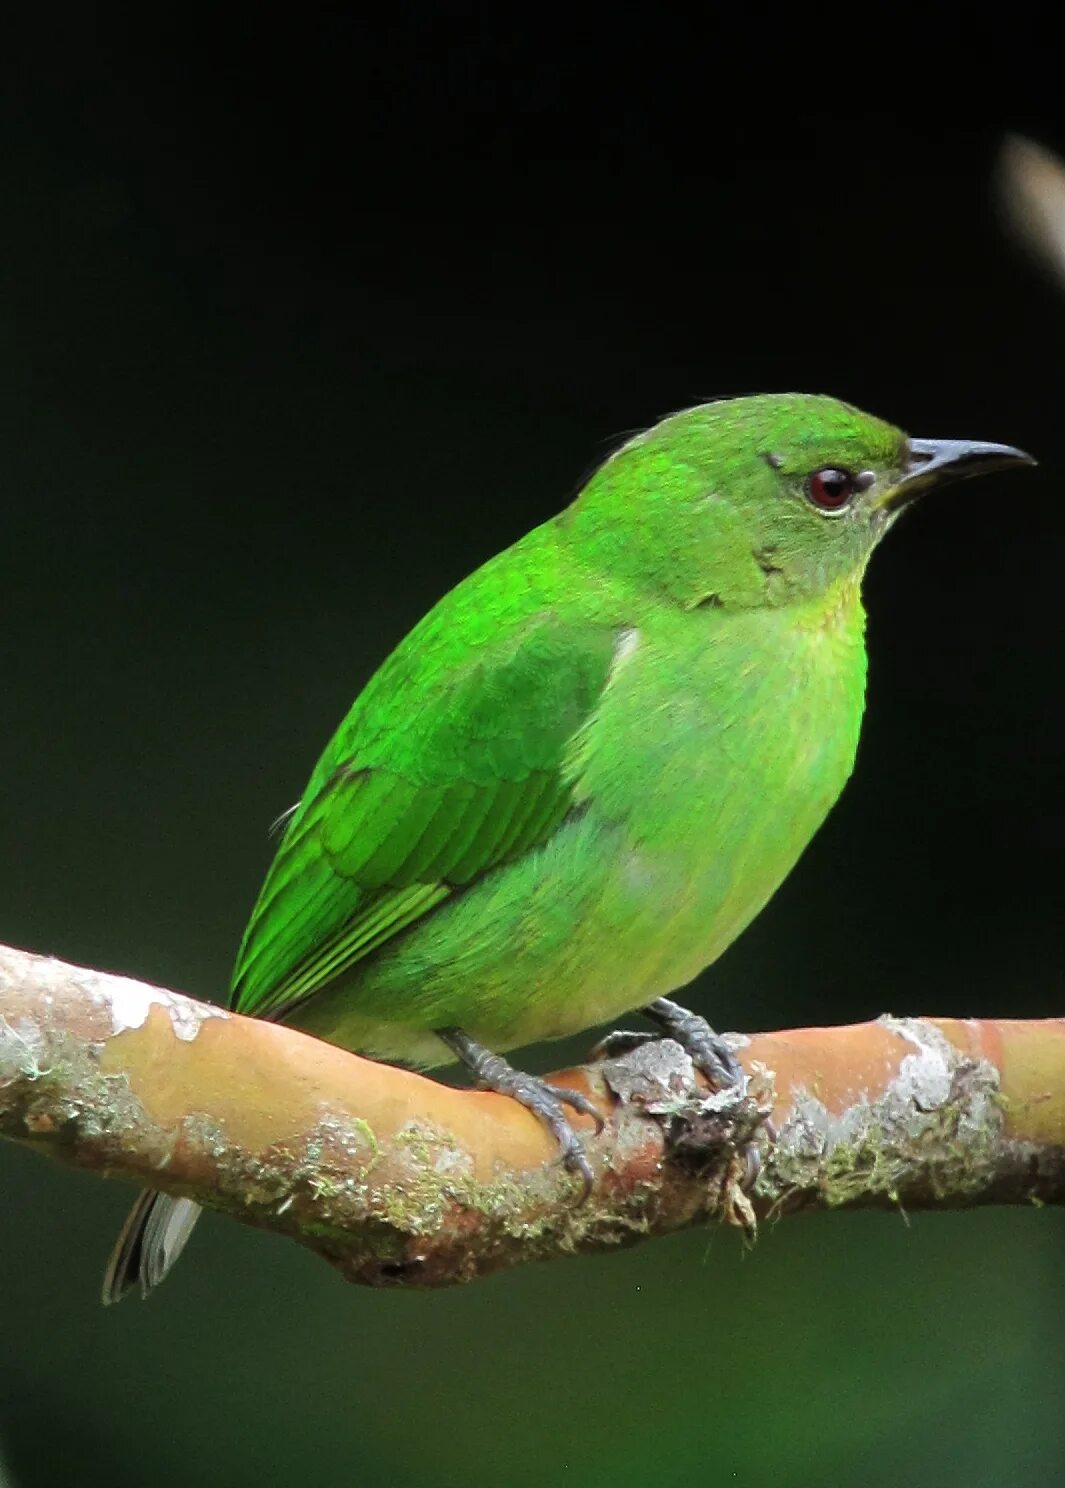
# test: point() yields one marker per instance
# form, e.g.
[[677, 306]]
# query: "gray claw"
[[492, 1072], [709, 1052], [547, 1101], [580, 1103], [621, 1041], [752, 1158]]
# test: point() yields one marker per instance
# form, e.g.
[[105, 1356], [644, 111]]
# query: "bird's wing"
[[431, 781]]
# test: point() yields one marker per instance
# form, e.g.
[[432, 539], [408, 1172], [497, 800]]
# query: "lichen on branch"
[[400, 1180]]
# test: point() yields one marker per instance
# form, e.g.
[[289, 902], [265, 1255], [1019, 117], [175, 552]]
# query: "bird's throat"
[[838, 611]]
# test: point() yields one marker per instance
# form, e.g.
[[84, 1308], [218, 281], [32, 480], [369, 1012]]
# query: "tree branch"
[[398, 1180]]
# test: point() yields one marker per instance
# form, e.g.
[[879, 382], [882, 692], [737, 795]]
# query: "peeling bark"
[[398, 1180]]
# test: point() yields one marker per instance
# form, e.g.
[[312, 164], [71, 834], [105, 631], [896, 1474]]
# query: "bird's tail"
[[154, 1235]]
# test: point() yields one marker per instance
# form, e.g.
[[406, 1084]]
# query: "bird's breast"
[[712, 762]]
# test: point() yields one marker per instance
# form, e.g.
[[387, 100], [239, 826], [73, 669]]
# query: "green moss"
[[860, 1167], [437, 1177], [945, 1151]]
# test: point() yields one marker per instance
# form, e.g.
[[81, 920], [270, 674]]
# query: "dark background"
[[299, 322]]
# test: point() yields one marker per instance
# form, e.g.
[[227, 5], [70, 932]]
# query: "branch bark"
[[398, 1180]]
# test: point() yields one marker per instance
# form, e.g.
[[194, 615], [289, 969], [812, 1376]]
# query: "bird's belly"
[[620, 907], [700, 785]]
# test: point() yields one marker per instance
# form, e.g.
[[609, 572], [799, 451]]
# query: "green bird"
[[587, 769]]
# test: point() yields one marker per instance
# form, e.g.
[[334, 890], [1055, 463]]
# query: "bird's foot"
[[708, 1051], [492, 1072], [621, 1041], [713, 1058]]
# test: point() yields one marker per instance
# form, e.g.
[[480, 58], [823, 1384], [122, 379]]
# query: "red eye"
[[831, 489]]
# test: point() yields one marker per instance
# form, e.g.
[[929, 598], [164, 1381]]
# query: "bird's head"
[[763, 500]]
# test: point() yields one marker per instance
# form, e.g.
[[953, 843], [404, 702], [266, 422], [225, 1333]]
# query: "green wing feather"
[[451, 762]]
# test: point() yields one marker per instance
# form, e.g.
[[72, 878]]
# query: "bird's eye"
[[831, 489]]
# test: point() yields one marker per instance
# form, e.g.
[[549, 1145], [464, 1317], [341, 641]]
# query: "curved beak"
[[931, 462]]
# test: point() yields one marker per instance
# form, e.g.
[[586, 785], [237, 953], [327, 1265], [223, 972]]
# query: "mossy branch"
[[398, 1180]]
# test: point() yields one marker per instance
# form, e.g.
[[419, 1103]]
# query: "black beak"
[[931, 462]]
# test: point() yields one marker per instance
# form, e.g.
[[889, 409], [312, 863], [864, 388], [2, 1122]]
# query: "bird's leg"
[[713, 1058], [492, 1072], [708, 1050], [621, 1041]]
